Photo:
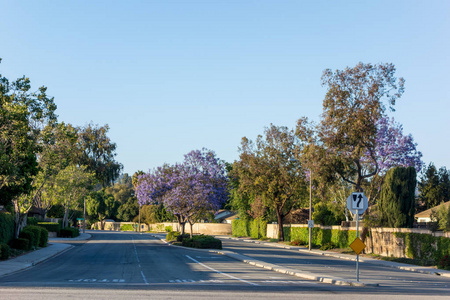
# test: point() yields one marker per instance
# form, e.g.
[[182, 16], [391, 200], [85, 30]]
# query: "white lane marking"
[[228, 275], [139, 262]]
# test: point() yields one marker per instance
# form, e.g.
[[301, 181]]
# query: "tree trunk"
[[192, 228], [280, 226]]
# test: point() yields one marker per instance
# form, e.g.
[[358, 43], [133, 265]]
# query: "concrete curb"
[[279, 269], [401, 266]]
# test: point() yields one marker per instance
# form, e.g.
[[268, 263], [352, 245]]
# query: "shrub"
[[327, 246], [181, 237], [5, 251], [202, 242], [69, 232], [171, 236], [50, 226], [30, 236], [240, 227], [20, 244], [6, 227], [444, 263], [127, 227], [38, 232], [168, 228], [32, 221], [43, 240]]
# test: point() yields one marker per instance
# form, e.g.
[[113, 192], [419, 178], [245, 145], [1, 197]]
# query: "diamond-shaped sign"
[[357, 245]]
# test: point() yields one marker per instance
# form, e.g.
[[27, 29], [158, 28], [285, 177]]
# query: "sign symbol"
[[360, 198]]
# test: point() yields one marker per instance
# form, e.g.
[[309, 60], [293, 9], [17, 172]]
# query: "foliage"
[[441, 217], [5, 251], [425, 247], [69, 232], [100, 206], [71, 185], [434, 186], [41, 234], [240, 227], [50, 226], [327, 214], [20, 244], [202, 242], [353, 105], [155, 213], [32, 221], [397, 199], [189, 190], [127, 227], [172, 235], [123, 193], [6, 227], [321, 237], [444, 263], [31, 237], [168, 228], [267, 170], [97, 153]]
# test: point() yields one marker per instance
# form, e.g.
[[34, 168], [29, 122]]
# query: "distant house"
[[225, 216], [425, 216]]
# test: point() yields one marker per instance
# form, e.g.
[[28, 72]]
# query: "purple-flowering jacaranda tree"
[[188, 190]]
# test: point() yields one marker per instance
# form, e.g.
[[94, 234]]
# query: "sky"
[[169, 77]]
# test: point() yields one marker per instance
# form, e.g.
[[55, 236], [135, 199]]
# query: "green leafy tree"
[[23, 114], [268, 170], [70, 187], [100, 206], [396, 205], [97, 152], [355, 102], [434, 187], [441, 217]]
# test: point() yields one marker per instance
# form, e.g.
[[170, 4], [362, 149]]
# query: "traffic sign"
[[357, 203], [310, 223], [357, 245]]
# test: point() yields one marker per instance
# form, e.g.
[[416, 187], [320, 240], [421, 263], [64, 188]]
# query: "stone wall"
[[381, 241]]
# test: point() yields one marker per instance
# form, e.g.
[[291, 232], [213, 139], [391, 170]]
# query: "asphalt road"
[[115, 265]]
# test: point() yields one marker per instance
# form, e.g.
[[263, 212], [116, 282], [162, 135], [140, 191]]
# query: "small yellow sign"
[[357, 245]]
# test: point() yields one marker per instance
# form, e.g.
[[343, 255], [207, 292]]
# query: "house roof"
[[427, 213]]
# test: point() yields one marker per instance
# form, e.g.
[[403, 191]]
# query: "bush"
[[50, 226], [202, 242], [327, 246], [444, 263], [127, 227], [20, 244], [30, 236], [6, 227], [5, 251], [32, 221], [182, 237], [171, 236], [168, 229], [40, 233], [69, 232], [240, 227]]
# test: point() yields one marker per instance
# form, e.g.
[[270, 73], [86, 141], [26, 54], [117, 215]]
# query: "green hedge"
[[20, 244], [425, 247], [50, 226], [5, 251], [321, 237], [127, 227], [171, 236], [31, 237], [69, 232], [255, 228], [41, 234], [32, 221], [202, 242], [6, 228]]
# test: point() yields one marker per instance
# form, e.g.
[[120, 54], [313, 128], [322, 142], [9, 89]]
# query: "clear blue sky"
[[172, 76]]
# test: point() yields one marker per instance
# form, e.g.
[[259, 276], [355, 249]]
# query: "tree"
[[188, 190], [396, 205], [268, 170], [434, 186], [100, 206], [97, 152], [23, 114], [354, 104], [71, 186]]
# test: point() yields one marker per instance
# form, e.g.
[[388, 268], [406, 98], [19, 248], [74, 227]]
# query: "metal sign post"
[[357, 203]]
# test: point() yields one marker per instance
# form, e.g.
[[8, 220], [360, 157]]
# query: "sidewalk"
[[55, 247]]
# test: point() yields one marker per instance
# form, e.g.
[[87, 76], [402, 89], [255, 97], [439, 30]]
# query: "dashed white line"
[[228, 275], [139, 262]]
